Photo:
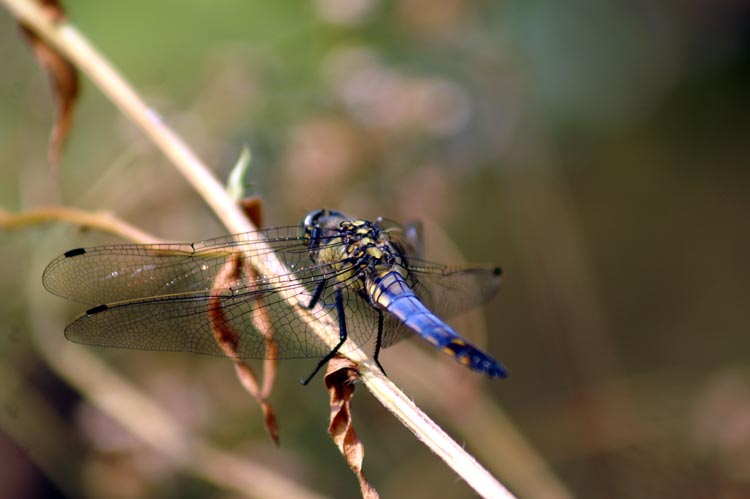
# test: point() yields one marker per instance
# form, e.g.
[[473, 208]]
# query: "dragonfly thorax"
[[352, 247], [367, 246]]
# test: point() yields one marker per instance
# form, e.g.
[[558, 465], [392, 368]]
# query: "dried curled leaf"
[[63, 78], [253, 208], [339, 379], [227, 338]]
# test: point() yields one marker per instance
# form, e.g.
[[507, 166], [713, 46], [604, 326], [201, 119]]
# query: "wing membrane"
[[185, 323], [111, 274], [452, 290]]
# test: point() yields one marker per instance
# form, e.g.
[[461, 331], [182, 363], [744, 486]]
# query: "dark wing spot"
[[96, 309], [74, 252]]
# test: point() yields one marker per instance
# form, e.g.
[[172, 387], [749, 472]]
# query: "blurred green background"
[[597, 151]]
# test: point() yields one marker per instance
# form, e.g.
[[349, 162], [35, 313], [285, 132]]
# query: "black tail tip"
[[475, 359], [483, 363], [497, 371]]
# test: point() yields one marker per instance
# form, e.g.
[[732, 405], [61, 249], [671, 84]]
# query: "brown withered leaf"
[[63, 78], [253, 208], [340, 379], [227, 338]]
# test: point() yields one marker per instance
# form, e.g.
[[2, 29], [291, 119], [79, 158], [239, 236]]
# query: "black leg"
[[379, 340], [342, 336], [317, 293]]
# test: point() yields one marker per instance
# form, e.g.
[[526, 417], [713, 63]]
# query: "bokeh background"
[[597, 150]]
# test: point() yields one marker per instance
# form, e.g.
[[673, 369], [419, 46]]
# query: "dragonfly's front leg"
[[342, 332], [379, 339], [317, 293]]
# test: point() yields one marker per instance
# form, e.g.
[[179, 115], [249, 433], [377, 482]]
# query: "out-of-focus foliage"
[[597, 150]]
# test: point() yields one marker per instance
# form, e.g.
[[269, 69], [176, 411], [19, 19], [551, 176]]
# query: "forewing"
[[110, 274]]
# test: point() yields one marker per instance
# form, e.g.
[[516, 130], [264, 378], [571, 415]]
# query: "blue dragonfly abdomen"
[[392, 293]]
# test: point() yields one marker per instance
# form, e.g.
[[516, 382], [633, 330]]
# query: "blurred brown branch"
[[63, 79]]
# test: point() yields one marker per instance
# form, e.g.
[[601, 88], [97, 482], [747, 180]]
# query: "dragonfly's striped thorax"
[[360, 253]]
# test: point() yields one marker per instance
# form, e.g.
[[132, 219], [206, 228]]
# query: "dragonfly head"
[[326, 219], [317, 227]]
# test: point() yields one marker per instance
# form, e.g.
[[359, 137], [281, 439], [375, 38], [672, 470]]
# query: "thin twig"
[[71, 43], [100, 220]]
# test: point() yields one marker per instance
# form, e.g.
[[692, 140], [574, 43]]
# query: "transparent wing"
[[448, 290], [110, 274], [189, 323]]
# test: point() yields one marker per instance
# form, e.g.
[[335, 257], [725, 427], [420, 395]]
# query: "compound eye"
[[311, 219]]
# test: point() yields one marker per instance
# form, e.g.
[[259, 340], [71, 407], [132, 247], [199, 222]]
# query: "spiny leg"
[[317, 293], [342, 335], [379, 340]]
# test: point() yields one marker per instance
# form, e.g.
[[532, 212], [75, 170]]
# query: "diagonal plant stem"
[[74, 45]]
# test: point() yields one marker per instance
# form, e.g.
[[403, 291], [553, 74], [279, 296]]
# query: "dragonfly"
[[368, 275]]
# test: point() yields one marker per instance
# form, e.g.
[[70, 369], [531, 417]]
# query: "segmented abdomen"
[[392, 293]]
